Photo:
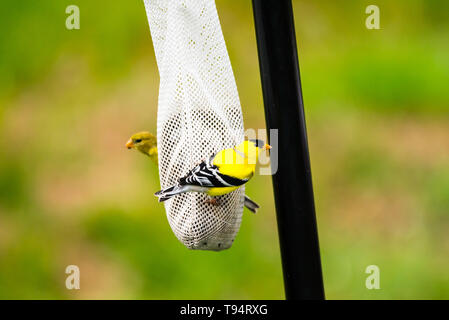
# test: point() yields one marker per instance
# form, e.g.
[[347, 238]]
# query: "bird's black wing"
[[206, 174]]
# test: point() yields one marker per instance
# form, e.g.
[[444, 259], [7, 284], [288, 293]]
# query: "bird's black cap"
[[259, 143]]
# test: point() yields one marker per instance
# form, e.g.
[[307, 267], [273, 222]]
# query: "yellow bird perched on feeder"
[[222, 173]]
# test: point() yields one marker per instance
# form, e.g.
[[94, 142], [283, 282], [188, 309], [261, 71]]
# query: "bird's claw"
[[212, 201]]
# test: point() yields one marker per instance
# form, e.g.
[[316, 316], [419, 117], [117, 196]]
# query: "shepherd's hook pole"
[[292, 183]]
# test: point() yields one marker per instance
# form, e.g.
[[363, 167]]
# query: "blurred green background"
[[377, 108]]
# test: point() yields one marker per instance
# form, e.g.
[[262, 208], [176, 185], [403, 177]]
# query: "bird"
[[146, 143], [222, 173]]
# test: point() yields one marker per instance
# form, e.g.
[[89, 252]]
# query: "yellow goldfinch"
[[222, 173], [146, 143]]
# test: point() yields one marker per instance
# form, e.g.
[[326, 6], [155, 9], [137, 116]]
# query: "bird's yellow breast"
[[220, 191], [235, 163], [153, 154]]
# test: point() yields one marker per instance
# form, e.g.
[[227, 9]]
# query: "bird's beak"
[[267, 147], [130, 144]]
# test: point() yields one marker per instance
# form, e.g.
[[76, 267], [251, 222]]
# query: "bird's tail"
[[250, 204], [167, 193]]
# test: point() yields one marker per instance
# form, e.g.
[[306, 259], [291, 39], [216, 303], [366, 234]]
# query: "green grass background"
[[377, 109]]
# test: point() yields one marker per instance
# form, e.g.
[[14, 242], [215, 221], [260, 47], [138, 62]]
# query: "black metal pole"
[[292, 183]]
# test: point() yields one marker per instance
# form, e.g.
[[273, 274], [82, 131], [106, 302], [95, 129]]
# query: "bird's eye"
[[138, 140], [258, 143]]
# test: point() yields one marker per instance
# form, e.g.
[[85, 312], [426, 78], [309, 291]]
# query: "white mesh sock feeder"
[[199, 114], [207, 70]]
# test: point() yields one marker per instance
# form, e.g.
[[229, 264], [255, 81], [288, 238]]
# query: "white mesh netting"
[[198, 114]]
